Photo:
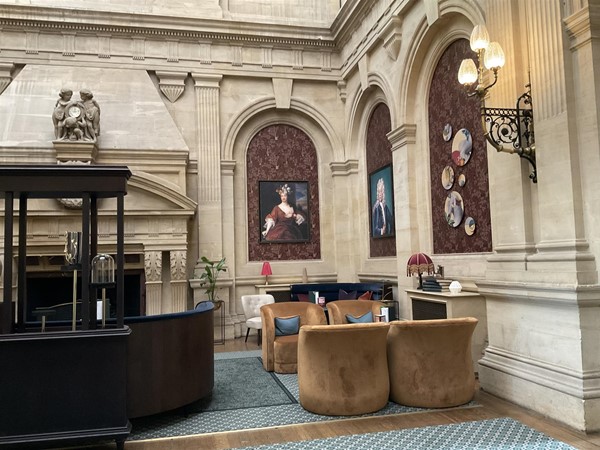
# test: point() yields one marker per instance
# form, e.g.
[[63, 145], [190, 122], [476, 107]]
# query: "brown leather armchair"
[[430, 362], [342, 369], [338, 309], [280, 353]]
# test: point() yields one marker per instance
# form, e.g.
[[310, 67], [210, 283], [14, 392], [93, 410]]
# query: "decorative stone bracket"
[[172, 84]]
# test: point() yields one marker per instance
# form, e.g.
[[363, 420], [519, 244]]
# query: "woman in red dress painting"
[[282, 224]]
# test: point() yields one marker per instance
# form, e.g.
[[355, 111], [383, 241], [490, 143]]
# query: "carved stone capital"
[[178, 265], [153, 265]]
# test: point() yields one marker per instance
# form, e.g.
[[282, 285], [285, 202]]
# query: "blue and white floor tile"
[[494, 434]]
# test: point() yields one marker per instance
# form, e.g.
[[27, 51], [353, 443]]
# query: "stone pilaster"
[[346, 190], [510, 187], [179, 285], [410, 183], [153, 270], [210, 235]]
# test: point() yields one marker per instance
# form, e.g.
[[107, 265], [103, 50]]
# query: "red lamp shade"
[[418, 264], [266, 269]]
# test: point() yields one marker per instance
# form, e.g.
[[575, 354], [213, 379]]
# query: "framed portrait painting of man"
[[284, 213], [381, 198]]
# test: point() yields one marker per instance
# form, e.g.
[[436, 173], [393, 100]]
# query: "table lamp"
[[418, 264], [266, 271]]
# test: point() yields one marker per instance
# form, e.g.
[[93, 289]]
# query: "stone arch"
[[263, 112], [243, 128], [425, 49]]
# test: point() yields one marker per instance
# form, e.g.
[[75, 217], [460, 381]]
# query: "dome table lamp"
[[418, 264], [103, 276], [266, 271]]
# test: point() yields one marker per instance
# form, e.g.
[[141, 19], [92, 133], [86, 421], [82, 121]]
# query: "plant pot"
[[218, 304]]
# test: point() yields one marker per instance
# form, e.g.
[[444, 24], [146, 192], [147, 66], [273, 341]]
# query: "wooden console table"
[[437, 305], [281, 292]]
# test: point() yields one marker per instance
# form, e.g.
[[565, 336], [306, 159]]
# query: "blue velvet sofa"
[[331, 291]]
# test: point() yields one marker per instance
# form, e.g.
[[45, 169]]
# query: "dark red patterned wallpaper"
[[379, 154], [449, 104], [282, 153]]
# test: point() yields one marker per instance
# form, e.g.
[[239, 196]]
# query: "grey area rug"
[[493, 434], [243, 383], [244, 397]]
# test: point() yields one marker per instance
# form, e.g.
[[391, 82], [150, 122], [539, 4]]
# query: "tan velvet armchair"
[[280, 353], [338, 309], [430, 362], [342, 369]]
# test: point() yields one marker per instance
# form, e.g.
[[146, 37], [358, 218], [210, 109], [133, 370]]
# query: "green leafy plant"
[[208, 278]]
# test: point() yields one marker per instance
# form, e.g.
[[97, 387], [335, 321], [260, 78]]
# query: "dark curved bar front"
[[170, 361]]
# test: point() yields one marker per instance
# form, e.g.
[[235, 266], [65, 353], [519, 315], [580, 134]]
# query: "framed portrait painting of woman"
[[381, 197], [284, 213]]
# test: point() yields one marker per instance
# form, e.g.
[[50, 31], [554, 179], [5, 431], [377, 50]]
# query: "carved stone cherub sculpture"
[[76, 120]]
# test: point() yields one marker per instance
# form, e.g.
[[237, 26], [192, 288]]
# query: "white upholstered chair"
[[251, 305]]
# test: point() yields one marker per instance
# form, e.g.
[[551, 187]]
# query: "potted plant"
[[208, 278]]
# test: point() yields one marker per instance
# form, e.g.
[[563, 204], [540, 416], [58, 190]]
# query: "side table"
[[447, 305]]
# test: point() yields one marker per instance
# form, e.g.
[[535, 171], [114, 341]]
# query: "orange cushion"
[[366, 296]]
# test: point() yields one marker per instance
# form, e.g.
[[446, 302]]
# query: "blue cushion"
[[285, 326], [365, 318], [343, 295]]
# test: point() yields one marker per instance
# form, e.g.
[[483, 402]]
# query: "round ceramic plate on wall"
[[454, 209], [462, 180], [447, 177], [461, 147], [469, 226], [447, 133]]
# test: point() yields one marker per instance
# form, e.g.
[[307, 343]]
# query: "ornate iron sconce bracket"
[[510, 130]]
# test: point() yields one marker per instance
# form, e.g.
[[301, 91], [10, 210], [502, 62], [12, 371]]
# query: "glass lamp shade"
[[103, 269], [494, 56], [480, 38], [467, 72]]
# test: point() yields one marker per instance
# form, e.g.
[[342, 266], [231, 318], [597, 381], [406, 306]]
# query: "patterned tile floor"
[[494, 434]]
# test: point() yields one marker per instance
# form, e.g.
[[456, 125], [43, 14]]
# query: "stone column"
[[153, 269], [562, 249], [543, 325], [179, 284], [411, 182]]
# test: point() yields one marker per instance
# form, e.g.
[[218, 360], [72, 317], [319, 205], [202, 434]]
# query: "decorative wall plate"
[[462, 146], [462, 180], [447, 177], [469, 226], [447, 133], [454, 209]]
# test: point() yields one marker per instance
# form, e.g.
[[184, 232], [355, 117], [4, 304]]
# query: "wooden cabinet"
[[64, 385], [439, 305]]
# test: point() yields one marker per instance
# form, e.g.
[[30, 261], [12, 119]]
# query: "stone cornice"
[[583, 26], [162, 27]]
